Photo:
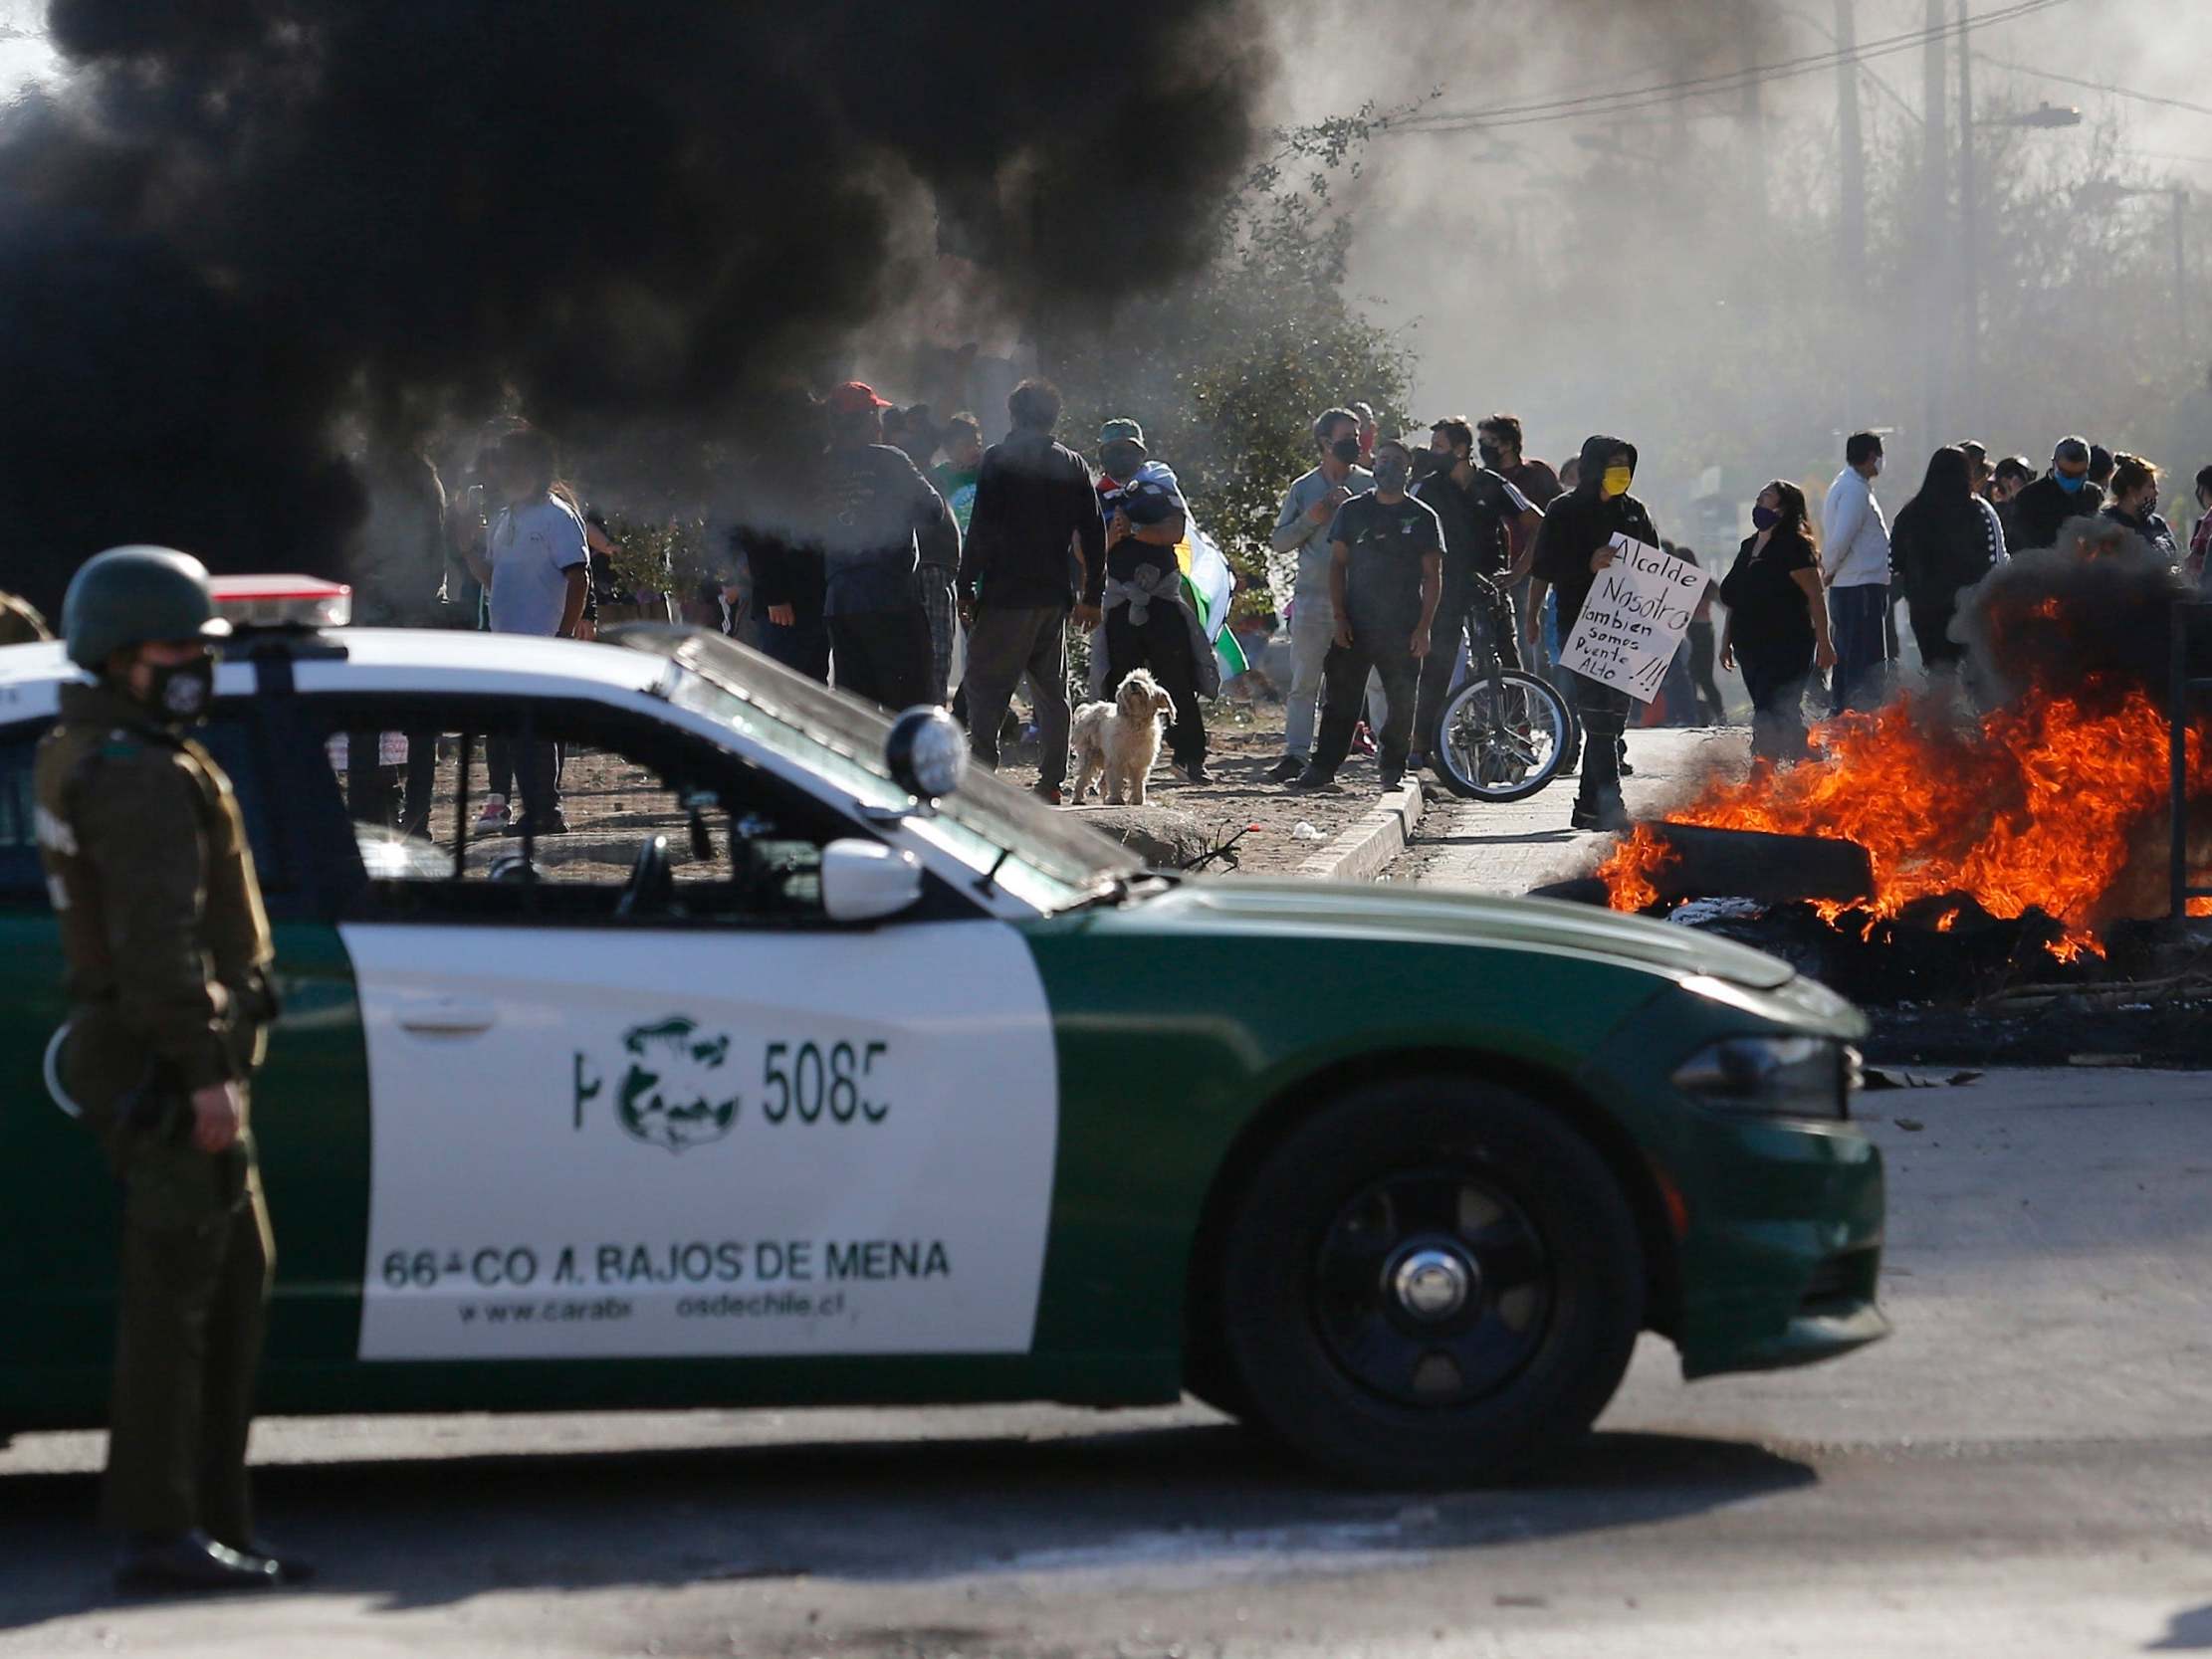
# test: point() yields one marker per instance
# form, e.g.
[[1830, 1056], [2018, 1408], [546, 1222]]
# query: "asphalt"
[[2023, 1469]]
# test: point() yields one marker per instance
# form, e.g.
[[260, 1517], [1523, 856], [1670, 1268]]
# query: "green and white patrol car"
[[768, 1082]]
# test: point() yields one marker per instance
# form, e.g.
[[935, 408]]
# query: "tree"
[[1227, 371]]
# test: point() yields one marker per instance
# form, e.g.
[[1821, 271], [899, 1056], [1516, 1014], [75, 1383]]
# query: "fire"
[[2043, 803]]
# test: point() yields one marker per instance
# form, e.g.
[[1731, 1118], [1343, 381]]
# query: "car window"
[[562, 812], [1040, 856], [226, 737]]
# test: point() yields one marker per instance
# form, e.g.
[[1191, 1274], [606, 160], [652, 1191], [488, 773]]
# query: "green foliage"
[[667, 555], [1228, 370]]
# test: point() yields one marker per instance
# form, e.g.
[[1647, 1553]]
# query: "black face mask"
[[1346, 450], [181, 695], [1490, 453]]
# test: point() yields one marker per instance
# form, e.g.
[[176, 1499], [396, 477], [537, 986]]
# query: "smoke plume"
[[240, 222], [2089, 622]]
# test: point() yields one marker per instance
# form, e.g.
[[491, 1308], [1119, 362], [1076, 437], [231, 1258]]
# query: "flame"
[[2042, 804]]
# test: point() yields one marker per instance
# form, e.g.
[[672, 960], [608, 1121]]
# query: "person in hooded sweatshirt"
[[1573, 545]]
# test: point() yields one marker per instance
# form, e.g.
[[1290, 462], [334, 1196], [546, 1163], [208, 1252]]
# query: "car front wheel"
[[1431, 1281]]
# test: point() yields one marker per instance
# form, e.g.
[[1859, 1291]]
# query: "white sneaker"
[[495, 815]]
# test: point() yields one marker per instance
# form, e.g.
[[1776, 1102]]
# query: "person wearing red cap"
[[876, 508]]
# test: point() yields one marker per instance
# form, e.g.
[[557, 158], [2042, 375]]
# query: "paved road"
[[1512, 848], [2025, 1469]]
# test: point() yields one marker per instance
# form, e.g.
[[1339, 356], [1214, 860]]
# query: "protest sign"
[[1637, 613]]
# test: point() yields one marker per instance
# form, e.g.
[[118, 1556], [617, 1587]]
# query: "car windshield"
[[1041, 856]]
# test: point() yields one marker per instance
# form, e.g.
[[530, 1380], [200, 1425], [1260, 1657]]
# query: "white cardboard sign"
[[1634, 618]]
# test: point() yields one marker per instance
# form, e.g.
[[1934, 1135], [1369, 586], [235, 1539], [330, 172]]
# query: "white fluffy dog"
[[1121, 739]]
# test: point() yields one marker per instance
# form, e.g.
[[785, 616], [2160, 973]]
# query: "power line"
[[1598, 105], [2104, 87]]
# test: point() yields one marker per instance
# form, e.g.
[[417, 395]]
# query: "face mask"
[[1616, 482], [1764, 517], [2072, 486], [1346, 450], [1491, 455], [1391, 474], [2150, 506], [181, 693]]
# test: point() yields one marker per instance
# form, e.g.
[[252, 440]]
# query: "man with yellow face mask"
[[1573, 545]]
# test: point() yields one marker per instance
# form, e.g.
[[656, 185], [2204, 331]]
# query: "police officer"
[[167, 952]]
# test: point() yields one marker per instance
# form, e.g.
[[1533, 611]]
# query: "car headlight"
[[1773, 1077]]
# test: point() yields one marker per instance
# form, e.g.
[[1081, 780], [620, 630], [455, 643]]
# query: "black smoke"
[[2089, 619], [245, 227]]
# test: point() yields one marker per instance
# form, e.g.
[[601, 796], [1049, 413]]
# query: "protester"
[[1573, 547], [536, 568], [2102, 462], [1777, 630], [1019, 577], [1367, 433], [2200, 539], [789, 585], [2041, 509], [1977, 464], [1148, 624], [875, 507], [1478, 511], [1946, 539], [1855, 568], [2010, 476], [1498, 445], [1386, 564], [1713, 707], [1309, 508], [2135, 505], [955, 478]]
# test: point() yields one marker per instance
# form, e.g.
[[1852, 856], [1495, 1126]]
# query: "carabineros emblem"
[[676, 1092]]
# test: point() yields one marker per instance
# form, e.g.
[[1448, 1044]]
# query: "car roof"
[[394, 659]]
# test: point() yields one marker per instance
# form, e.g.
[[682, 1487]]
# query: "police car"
[[782, 1064]]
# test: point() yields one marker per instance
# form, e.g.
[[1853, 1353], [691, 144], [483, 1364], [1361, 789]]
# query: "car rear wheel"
[[1431, 1281]]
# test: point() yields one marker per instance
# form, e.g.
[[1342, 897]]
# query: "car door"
[[711, 1124]]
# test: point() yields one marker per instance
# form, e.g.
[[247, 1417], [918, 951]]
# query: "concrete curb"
[[1373, 844]]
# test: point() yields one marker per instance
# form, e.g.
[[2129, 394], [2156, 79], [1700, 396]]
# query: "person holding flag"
[[1148, 623]]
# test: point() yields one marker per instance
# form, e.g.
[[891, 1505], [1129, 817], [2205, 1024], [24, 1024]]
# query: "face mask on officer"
[[180, 691]]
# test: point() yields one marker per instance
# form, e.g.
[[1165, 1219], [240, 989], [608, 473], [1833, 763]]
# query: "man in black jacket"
[[1573, 545], [875, 507], [2040, 512], [1035, 516]]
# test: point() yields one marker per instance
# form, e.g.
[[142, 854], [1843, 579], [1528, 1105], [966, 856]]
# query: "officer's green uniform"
[[167, 949], [20, 622]]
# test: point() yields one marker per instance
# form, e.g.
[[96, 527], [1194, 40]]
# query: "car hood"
[[1469, 918]]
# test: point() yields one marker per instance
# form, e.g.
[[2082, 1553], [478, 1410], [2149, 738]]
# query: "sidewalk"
[[1512, 848]]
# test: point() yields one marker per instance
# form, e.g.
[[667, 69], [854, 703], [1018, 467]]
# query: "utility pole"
[[1935, 312], [1852, 216], [1852, 219], [1969, 254]]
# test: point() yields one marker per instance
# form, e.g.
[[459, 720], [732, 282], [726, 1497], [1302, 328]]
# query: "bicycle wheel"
[[1501, 737]]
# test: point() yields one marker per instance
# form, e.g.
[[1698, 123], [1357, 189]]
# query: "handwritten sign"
[[1634, 618]]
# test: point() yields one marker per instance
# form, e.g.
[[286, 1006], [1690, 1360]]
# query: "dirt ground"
[[1243, 745]]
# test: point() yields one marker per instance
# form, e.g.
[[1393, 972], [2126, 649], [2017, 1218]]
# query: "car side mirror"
[[866, 881]]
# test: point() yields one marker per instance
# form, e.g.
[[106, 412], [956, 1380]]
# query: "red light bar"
[[282, 601]]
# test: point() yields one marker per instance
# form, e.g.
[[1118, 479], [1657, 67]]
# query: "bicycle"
[[1507, 733]]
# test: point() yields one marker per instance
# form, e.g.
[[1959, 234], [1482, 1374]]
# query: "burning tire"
[[1431, 1283], [1502, 736]]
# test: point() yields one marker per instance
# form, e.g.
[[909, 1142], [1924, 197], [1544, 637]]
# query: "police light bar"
[[282, 601]]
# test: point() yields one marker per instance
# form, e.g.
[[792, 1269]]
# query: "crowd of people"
[[904, 560]]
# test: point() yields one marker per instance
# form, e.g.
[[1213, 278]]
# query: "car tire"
[[1433, 1183]]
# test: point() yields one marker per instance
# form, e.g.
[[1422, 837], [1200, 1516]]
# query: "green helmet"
[[133, 595]]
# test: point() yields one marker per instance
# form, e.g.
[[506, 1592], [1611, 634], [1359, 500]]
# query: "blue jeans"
[[1856, 618]]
